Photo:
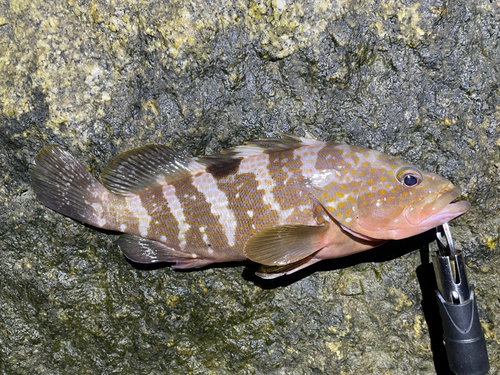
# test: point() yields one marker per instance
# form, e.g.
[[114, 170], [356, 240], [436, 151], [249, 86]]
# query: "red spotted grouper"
[[284, 203]]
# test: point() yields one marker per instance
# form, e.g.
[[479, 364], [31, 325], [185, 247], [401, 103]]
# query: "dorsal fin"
[[152, 166], [228, 160], [287, 142], [253, 148], [145, 168]]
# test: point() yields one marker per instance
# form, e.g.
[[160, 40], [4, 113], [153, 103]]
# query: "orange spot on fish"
[[341, 205], [339, 194], [382, 192], [351, 200]]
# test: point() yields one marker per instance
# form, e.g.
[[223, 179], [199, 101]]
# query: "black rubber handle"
[[463, 337]]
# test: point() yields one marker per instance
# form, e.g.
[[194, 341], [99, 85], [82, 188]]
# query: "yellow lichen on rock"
[[411, 28], [336, 348]]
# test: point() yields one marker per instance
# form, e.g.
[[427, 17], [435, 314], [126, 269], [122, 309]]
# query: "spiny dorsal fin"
[[227, 161], [253, 148], [145, 168], [285, 244], [287, 142]]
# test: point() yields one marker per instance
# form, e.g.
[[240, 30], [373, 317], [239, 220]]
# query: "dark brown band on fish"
[[221, 171]]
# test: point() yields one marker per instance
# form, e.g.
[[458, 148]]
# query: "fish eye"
[[409, 176]]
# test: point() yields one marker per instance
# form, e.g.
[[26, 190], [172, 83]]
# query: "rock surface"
[[415, 79]]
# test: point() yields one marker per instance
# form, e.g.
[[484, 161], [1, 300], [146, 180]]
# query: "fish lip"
[[442, 209], [450, 212]]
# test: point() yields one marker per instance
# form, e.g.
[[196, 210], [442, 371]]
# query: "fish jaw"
[[419, 217], [450, 212], [437, 209], [428, 214]]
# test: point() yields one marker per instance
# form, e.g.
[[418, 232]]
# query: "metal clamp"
[[463, 338]]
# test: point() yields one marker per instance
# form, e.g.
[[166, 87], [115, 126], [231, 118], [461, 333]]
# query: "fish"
[[284, 203]]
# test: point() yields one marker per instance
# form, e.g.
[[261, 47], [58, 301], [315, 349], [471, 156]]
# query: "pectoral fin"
[[286, 244]]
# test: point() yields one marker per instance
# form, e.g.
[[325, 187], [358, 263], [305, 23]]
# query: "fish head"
[[385, 197]]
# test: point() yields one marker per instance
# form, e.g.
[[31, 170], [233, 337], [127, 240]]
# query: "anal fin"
[[143, 250]]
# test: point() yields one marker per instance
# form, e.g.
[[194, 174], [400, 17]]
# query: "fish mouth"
[[437, 209]]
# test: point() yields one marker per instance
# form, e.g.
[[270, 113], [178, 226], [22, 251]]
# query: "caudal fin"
[[64, 185]]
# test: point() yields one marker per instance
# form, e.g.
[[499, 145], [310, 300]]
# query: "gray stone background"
[[418, 79]]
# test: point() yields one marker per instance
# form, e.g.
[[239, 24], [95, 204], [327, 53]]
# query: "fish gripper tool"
[[462, 334]]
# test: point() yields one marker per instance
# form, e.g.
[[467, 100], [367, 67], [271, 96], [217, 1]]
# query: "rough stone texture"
[[419, 79]]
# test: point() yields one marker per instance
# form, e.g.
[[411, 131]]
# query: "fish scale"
[[284, 203], [164, 223]]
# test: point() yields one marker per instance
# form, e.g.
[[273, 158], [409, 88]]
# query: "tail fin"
[[64, 185]]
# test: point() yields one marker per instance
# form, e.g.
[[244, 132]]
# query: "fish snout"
[[437, 208]]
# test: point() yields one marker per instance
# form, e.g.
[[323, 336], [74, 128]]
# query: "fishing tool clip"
[[463, 338]]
